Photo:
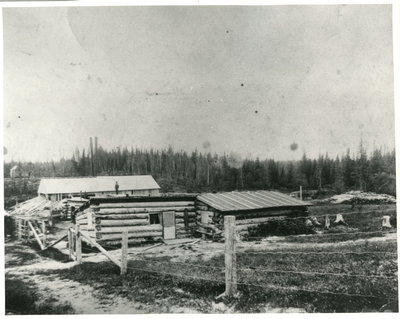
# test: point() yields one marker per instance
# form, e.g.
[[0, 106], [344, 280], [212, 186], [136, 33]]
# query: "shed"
[[15, 171], [164, 216], [251, 208], [57, 189]]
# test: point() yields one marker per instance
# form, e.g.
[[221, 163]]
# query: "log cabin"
[[251, 208], [165, 216]]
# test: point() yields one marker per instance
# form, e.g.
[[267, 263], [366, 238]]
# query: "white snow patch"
[[367, 196]]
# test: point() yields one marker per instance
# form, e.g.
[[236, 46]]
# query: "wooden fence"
[[32, 229]]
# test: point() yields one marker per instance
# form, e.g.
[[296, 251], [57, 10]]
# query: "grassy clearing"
[[18, 255], [364, 218], [161, 291], [361, 221], [310, 271], [22, 298], [195, 284]]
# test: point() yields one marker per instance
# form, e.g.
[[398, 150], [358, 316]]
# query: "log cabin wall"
[[208, 217], [105, 219], [250, 209]]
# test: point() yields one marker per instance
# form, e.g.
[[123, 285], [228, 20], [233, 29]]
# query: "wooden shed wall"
[[245, 219], [106, 221]]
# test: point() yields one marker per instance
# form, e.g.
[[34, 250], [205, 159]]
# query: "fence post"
[[230, 256], [44, 238], [70, 241], [78, 246], [28, 232], [124, 252], [19, 230]]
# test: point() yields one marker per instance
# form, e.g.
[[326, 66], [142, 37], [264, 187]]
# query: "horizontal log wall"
[[244, 219], [143, 210], [109, 220], [146, 204]]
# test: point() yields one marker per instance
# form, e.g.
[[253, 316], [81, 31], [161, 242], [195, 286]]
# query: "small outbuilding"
[[15, 172], [250, 208], [57, 189], [164, 216]]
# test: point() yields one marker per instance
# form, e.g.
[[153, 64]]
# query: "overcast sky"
[[252, 80]]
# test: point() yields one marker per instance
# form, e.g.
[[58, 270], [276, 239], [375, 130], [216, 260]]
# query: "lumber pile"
[[106, 221], [38, 206]]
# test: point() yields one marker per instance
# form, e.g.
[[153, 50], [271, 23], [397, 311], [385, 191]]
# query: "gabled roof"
[[96, 184], [234, 201]]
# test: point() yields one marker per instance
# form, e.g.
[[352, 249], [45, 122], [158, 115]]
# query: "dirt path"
[[87, 299], [83, 298]]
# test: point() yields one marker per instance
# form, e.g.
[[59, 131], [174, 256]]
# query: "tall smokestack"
[[91, 155], [95, 156]]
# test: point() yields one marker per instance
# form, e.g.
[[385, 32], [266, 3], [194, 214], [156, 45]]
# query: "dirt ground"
[[26, 263], [41, 270]]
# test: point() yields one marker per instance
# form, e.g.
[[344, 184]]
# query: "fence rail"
[[234, 274]]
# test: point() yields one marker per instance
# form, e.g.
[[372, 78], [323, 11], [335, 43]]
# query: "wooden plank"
[[146, 204], [115, 229], [143, 210], [124, 253], [57, 241], [44, 232], [124, 222], [230, 256], [78, 245], [36, 235], [204, 217], [122, 216], [138, 229], [151, 247], [102, 250], [70, 242], [178, 241], [182, 214], [90, 219], [100, 236], [83, 223], [19, 229], [82, 217]]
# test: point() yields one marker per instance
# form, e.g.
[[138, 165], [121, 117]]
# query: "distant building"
[[57, 189], [15, 172]]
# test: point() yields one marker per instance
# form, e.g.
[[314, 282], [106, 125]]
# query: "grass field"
[[344, 269], [353, 277]]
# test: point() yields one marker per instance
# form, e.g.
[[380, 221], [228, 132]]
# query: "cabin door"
[[169, 229]]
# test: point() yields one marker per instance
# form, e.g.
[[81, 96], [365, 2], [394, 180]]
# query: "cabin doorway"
[[169, 228]]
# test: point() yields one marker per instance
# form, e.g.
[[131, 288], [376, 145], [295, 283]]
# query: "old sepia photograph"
[[199, 159]]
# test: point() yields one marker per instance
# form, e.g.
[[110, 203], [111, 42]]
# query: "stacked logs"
[[210, 221], [105, 222]]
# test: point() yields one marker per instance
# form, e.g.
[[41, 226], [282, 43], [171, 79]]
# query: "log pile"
[[105, 222]]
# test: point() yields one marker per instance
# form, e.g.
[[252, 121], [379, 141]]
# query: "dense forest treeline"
[[196, 171]]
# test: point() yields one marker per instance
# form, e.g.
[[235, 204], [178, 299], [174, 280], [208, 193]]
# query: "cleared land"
[[341, 272]]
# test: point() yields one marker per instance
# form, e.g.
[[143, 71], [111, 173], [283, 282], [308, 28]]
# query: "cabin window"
[[154, 219]]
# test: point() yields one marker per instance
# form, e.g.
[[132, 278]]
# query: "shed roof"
[[96, 184], [235, 201]]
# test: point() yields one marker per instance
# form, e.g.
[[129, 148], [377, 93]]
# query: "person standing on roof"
[[116, 188]]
